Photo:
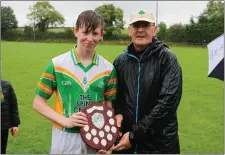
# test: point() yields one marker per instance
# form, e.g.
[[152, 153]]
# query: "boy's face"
[[88, 40]]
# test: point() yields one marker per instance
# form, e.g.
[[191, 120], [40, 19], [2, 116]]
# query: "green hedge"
[[50, 36], [28, 35], [67, 36]]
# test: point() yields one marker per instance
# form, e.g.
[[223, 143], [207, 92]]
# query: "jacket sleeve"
[[118, 103], [14, 113], [167, 101]]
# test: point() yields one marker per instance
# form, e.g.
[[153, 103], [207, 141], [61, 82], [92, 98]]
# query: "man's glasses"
[[142, 24]]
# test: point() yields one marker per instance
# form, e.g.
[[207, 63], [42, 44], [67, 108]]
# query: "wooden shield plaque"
[[101, 131]]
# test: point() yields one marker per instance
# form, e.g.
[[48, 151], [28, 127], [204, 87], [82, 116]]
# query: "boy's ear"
[[102, 33], [75, 30]]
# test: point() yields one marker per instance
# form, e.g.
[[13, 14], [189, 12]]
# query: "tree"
[[161, 35], [214, 10], [210, 24], [45, 15], [176, 33], [212, 20], [8, 19], [113, 18]]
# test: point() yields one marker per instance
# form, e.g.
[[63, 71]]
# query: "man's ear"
[[129, 29], [155, 30]]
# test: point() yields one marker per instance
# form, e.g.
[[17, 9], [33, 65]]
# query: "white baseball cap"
[[141, 15]]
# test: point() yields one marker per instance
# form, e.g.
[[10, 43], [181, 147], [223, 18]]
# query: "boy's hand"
[[78, 119], [119, 119], [14, 131]]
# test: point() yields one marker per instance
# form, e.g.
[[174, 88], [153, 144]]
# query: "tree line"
[[206, 27], [43, 16]]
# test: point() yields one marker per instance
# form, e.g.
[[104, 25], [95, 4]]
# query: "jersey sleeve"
[[47, 84], [110, 91]]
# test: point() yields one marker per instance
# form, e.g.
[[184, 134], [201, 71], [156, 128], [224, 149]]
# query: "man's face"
[[88, 40], [141, 33]]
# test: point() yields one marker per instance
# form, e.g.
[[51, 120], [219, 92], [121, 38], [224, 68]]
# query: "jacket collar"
[[153, 47]]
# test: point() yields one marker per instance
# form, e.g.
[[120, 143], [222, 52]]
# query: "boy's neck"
[[85, 56]]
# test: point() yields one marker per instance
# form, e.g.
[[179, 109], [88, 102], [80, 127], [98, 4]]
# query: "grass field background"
[[200, 114]]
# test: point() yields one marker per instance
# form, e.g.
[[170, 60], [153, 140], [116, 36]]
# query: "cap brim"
[[141, 19]]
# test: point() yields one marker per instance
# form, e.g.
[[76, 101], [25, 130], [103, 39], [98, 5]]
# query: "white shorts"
[[68, 143]]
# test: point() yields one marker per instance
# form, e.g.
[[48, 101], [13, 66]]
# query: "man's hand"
[[124, 143], [104, 152], [119, 119], [78, 119], [14, 131]]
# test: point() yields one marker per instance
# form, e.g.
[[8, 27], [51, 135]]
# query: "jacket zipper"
[[138, 89]]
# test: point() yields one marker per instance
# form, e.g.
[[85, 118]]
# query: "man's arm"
[[117, 103], [167, 101]]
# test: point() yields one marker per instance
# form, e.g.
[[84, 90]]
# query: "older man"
[[149, 91]]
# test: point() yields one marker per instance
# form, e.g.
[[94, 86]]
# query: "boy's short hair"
[[90, 19]]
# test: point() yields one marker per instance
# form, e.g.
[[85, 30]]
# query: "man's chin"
[[141, 44]]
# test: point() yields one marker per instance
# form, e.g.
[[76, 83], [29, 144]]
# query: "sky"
[[170, 12]]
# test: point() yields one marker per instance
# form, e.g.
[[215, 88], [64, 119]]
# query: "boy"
[[78, 77]]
